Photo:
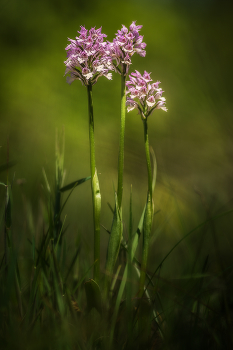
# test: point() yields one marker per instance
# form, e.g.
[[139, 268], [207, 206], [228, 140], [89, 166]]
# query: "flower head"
[[87, 59], [126, 43], [144, 95]]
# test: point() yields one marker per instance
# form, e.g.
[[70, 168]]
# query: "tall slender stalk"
[[117, 229], [91, 130], [148, 162], [96, 198], [122, 140], [147, 223]]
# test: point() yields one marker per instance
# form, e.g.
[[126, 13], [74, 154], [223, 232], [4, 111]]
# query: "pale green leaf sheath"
[[97, 209]]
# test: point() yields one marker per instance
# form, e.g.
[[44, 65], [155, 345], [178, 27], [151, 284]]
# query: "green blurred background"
[[189, 49]]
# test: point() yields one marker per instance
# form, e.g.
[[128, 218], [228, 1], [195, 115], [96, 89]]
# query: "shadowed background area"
[[189, 50]]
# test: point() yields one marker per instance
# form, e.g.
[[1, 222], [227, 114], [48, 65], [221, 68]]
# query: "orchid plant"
[[145, 96], [87, 61], [126, 43], [88, 58]]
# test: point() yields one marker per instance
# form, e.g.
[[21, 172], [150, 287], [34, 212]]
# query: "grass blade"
[[147, 224], [74, 184], [113, 245], [117, 305]]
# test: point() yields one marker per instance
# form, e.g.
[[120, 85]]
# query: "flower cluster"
[[86, 57], [148, 94], [126, 43]]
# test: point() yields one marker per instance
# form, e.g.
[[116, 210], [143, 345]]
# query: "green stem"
[[91, 130], [147, 222], [116, 230], [122, 141], [96, 199], [148, 162]]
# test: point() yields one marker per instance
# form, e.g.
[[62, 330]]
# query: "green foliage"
[[72, 185], [113, 245], [43, 305]]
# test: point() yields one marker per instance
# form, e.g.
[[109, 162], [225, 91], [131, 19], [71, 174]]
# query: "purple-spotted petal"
[[150, 101]]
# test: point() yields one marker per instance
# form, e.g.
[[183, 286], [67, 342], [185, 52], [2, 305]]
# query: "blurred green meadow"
[[189, 49]]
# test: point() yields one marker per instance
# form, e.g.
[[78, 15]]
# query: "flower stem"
[[122, 141], [147, 222], [91, 130], [116, 230], [148, 162], [96, 198]]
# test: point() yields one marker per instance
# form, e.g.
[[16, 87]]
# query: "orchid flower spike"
[[87, 59], [126, 43], [144, 95]]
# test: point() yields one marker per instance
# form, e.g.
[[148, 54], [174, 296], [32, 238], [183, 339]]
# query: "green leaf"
[[110, 207], [72, 263], [74, 184], [93, 295], [154, 168], [57, 271], [117, 305], [61, 230], [147, 222], [115, 279]]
